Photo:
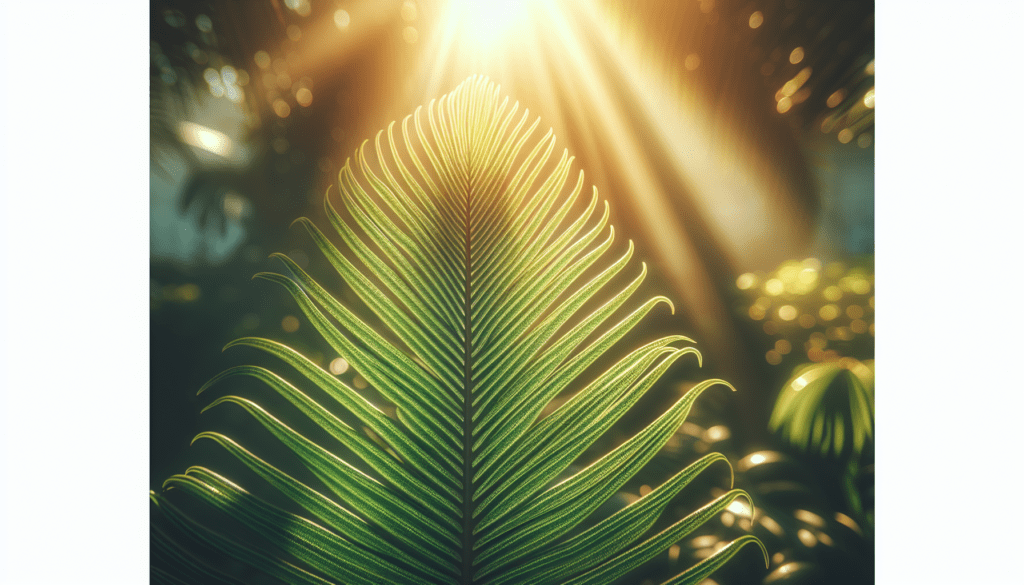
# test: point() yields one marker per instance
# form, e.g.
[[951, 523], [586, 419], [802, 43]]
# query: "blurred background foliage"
[[732, 139]]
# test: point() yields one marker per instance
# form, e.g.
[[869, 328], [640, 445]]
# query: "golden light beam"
[[685, 171]]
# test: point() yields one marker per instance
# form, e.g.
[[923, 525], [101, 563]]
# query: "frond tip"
[[493, 284]]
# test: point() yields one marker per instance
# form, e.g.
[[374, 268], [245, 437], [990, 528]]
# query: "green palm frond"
[[828, 407], [462, 239]]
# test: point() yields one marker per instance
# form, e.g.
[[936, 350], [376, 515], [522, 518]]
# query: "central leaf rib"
[[467, 405]]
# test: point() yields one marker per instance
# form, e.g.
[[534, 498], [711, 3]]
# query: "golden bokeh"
[[848, 522], [806, 537], [207, 139], [783, 346], [410, 34], [338, 366], [808, 517], [746, 281], [304, 97], [836, 98], [807, 321], [855, 311], [281, 108], [756, 19], [290, 324], [262, 59], [342, 19], [787, 312], [869, 98], [774, 287], [832, 293], [692, 61], [828, 312], [716, 433], [773, 357], [797, 55], [845, 135], [772, 526]]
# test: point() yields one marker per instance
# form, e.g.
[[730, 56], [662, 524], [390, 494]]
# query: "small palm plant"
[[829, 408], [463, 241]]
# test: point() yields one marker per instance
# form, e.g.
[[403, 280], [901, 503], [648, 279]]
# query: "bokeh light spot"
[[869, 98], [205, 138], [746, 281], [797, 55], [410, 35], [836, 98], [756, 19], [342, 19], [262, 59], [290, 324], [828, 312], [809, 518], [338, 366], [408, 11], [281, 108]]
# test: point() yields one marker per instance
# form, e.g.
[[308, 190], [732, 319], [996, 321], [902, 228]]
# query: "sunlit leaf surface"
[[492, 274]]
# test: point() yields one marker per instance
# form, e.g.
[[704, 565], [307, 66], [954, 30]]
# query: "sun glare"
[[207, 139], [486, 23]]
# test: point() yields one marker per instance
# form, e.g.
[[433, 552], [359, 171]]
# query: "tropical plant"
[[479, 271], [829, 408]]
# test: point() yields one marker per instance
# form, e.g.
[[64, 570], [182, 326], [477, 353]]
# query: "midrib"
[[467, 406]]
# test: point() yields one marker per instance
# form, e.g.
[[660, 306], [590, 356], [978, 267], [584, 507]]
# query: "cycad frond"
[[463, 240]]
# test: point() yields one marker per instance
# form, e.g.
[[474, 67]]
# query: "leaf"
[[828, 407], [495, 286]]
